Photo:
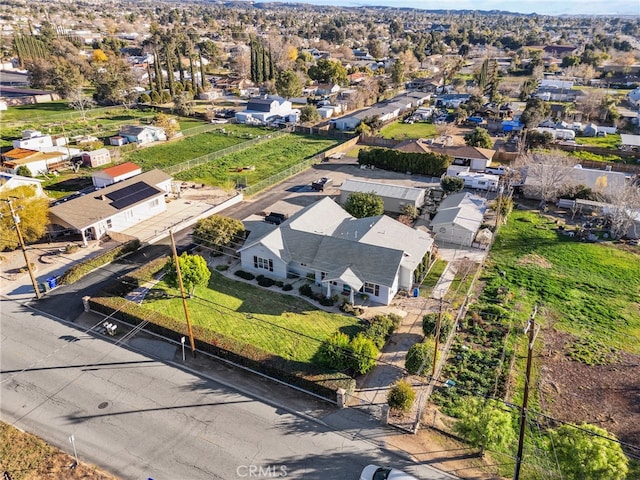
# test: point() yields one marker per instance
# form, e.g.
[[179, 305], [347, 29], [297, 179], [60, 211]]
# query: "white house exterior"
[[459, 218], [33, 140], [480, 181], [325, 242], [38, 163], [9, 181], [117, 173], [394, 197], [142, 134], [112, 209], [265, 109]]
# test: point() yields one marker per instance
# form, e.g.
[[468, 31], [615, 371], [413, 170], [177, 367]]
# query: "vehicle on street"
[[375, 472], [275, 218], [321, 184]]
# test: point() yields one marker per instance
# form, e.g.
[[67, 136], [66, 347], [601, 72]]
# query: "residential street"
[[141, 417]]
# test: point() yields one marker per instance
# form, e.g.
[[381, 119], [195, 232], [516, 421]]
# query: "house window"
[[346, 289], [371, 289], [323, 275], [109, 225], [128, 214], [264, 263], [154, 203]]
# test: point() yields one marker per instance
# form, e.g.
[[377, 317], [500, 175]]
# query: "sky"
[[542, 7]]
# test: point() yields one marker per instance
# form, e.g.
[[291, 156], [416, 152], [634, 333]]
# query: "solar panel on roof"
[[135, 193]]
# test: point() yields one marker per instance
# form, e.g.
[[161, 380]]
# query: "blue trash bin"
[[52, 282], [416, 292]]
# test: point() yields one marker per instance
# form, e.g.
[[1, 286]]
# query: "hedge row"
[[434, 164], [137, 278], [79, 270], [304, 375]]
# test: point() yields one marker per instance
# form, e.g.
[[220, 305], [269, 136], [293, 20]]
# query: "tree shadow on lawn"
[[71, 184]]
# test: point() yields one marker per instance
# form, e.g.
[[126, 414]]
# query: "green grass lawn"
[[268, 158], [610, 141], [591, 290], [35, 112], [432, 278], [281, 324], [399, 130]]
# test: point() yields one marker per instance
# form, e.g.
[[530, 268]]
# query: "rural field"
[[279, 323], [263, 160], [588, 362]]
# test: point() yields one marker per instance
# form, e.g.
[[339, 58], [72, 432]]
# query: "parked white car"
[[375, 472]]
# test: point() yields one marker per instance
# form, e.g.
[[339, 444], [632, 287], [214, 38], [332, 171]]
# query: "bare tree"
[[623, 204], [545, 175], [80, 102]]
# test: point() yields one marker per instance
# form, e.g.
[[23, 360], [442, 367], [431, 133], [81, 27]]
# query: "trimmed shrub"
[[279, 283], [401, 396], [364, 354], [419, 359], [305, 289], [245, 275], [265, 281], [334, 352], [222, 268], [430, 323], [287, 287], [327, 302]]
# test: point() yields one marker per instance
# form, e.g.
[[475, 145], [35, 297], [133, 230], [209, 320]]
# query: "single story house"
[[142, 134], [96, 158], [394, 197], [326, 88], [480, 181], [324, 242], [459, 218], [350, 122], [38, 163], [266, 109], [114, 208], [602, 182], [629, 142], [476, 158], [9, 181], [33, 140], [117, 173]]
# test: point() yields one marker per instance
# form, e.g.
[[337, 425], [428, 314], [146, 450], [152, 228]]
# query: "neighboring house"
[[327, 88], [602, 182], [350, 122], [112, 209], [33, 140], [38, 163], [480, 181], [96, 158], [115, 174], [376, 256], [459, 218], [266, 109], [476, 158], [142, 134], [629, 142], [117, 141], [9, 181], [634, 96], [394, 197]]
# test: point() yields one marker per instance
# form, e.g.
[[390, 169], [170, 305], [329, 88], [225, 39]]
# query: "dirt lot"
[[607, 396]]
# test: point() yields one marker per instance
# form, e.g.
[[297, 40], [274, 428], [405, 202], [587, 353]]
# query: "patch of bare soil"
[[604, 395], [535, 260]]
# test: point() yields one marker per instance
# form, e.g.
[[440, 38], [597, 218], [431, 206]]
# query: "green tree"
[[401, 396], [430, 324], [334, 352], [218, 231], [194, 271], [584, 453], [484, 424], [183, 104], [328, 71], [479, 137], [67, 78], [23, 171], [288, 84], [361, 204], [419, 359], [168, 124], [410, 211], [114, 82], [33, 212], [364, 354], [309, 113], [452, 184], [535, 111], [397, 72]]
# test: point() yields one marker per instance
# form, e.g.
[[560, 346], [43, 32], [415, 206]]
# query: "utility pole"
[[435, 350], [16, 222], [531, 328], [182, 293]]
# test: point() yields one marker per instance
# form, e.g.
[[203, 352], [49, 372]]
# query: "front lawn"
[[610, 141], [400, 131], [281, 324], [268, 158]]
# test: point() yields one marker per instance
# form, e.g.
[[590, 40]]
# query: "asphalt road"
[[139, 417]]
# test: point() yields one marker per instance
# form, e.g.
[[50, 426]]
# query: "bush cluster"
[[79, 270], [401, 396], [245, 275], [265, 281], [358, 354], [381, 327], [306, 291], [434, 164], [348, 307]]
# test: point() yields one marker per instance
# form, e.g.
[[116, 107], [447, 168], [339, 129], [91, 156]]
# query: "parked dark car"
[[321, 184], [275, 218]]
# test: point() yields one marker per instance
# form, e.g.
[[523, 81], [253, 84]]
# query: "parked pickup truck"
[[321, 184]]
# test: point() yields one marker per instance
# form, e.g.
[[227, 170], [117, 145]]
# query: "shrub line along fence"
[[195, 162]]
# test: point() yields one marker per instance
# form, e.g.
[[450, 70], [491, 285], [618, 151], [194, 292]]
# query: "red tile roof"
[[121, 169]]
